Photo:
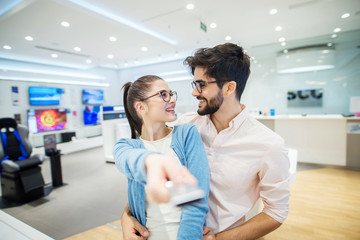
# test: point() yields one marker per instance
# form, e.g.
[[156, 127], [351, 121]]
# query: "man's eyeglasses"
[[165, 95], [199, 84]]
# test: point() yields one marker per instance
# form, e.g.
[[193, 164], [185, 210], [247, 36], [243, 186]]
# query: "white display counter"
[[86, 138], [113, 130], [75, 145], [12, 228], [319, 139]]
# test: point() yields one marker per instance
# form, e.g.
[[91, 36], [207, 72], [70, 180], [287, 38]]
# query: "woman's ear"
[[140, 107], [229, 88]]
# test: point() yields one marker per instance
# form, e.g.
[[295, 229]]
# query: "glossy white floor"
[[95, 193]]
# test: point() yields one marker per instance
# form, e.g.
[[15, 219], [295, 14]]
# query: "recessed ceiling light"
[[325, 51], [54, 55], [283, 43], [278, 28], [345, 15], [273, 11], [176, 54], [110, 56], [333, 36], [212, 25], [285, 51], [337, 30], [29, 38], [7, 47], [159, 57], [282, 39], [136, 62], [228, 38], [65, 24], [329, 44], [88, 61], [112, 39], [77, 49], [126, 64], [190, 6], [144, 49]]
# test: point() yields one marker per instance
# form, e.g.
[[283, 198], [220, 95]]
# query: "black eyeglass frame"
[[160, 93], [199, 84]]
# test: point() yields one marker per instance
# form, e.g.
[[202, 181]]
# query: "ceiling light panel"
[[65, 24], [29, 38]]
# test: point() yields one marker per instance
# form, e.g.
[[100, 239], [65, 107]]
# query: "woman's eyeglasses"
[[199, 84], [165, 95]]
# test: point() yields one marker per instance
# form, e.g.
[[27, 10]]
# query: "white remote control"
[[184, 193]]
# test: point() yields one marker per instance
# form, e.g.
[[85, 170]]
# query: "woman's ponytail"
[[133, 92], [130, 111]]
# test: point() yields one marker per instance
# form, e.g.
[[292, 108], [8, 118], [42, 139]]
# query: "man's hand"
[[208, 234], [160, 169], [131, 228]]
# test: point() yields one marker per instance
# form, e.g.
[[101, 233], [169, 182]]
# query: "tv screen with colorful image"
[[92, 115], [92, 96], [41, 96], [41, 120]]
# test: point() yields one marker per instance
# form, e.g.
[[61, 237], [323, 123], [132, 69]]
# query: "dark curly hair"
[[225, 62]]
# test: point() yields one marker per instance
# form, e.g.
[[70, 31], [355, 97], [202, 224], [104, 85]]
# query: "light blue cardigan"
[[130, 154]]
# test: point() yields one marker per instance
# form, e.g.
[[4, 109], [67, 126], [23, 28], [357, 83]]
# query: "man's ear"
[[229, 88]]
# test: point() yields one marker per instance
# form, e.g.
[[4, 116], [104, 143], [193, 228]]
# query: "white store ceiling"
[[166, 28]]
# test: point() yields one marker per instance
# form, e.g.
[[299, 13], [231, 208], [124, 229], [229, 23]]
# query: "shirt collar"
[[240, 118], [237, 121]]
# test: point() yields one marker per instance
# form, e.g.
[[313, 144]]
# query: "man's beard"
[[213, 105]]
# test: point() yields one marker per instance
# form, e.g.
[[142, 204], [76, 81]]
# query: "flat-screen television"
[[40, 96], [92, 96], [41, 120], [92, 115]]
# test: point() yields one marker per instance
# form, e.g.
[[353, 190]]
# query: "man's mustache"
[[201, 98]]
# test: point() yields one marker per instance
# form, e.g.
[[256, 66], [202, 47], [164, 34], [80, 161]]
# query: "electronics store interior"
[[63, 64]]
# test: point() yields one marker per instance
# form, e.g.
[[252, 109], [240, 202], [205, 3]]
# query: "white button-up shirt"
[[247, 160]]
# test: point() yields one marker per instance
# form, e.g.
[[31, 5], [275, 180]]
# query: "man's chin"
[[201, 112]]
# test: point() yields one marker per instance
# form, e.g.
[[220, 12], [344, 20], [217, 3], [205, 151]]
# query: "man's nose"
[[195, 92]]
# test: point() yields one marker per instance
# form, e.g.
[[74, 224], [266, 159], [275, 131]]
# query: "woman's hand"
[[159, 170]]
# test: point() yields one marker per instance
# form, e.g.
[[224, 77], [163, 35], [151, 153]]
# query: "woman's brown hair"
[[136, 91]]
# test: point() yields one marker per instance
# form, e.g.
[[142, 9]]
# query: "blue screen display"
[[92, 115], [92, 96], [44, 96]]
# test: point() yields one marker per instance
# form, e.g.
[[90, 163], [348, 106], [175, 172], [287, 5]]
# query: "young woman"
[[149, 105]]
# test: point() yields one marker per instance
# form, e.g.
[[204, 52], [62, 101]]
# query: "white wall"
[[185, 101], [70, 100], [265, 89]]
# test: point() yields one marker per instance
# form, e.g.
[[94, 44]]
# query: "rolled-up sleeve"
[[274, 182]]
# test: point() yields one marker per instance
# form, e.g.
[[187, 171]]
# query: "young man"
[[247, 160]]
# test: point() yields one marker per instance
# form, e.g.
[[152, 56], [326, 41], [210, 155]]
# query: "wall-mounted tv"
[[40, 96], [92, 96], [40, 120], [92, 115]]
